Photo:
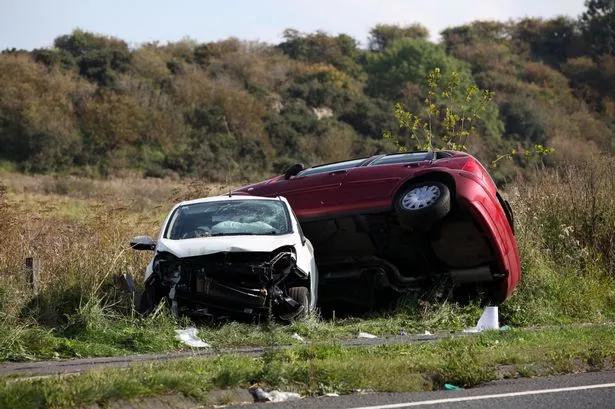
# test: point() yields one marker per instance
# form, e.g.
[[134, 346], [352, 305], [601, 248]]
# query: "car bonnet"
[[203, 246]]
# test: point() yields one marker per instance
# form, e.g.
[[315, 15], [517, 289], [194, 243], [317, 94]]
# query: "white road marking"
[[482, 397]]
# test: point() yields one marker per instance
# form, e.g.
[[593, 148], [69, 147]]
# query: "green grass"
[[317, 369], [95, 331], [566, 245]]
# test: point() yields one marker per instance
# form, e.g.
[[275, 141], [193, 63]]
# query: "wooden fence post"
[[33, 265]]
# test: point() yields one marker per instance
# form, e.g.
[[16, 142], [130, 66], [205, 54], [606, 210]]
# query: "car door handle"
[[337, 172]]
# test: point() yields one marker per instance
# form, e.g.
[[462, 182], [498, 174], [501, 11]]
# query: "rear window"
[[333, 167], [403, 158]]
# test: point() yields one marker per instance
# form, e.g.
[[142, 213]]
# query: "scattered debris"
[[366, 335], [402, 332], [504, 328], [364, 391], [297, 337], [188, 336], [261, 395], [489, 320], [427, 333], [451, 387], [277, 396], [258, 393], [332, 394]]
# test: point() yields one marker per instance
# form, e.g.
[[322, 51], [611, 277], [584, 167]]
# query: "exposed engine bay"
[[230, 283]]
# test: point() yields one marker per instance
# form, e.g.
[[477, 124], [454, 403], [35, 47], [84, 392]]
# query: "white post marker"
[[489, 320]]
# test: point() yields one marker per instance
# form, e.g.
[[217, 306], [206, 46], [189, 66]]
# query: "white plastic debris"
[[332, 394], [278, 396], [261, 395], [366, 335], [427, 333], [489, 320], [297, 337], [188, 336]]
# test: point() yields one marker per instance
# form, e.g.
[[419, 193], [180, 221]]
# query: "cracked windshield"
[[233, 217]]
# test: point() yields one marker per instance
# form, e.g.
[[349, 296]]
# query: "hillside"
[[240, 110]]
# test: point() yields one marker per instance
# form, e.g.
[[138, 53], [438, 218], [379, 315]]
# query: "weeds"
[[331, 368], [79, 229]]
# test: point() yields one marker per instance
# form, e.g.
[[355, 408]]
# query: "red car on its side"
[[402, 222]]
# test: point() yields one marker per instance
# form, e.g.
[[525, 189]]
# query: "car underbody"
[[364, 260]]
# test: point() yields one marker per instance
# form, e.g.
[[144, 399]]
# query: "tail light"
[[474, 167]]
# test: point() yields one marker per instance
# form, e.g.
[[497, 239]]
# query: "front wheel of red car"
[[422, 204]]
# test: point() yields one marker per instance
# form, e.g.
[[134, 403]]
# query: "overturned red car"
[[402, 222]]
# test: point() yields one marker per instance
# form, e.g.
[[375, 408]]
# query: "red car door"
[[310, 195]]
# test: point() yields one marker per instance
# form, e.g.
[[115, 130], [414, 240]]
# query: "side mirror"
[[293, 170], [143, 243]]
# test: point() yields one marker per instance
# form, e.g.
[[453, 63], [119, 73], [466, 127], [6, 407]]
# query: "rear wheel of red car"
[[302, 296], [422, 204]]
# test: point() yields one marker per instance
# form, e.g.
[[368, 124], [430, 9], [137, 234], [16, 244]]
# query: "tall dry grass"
[[79, 229], [566, 236]]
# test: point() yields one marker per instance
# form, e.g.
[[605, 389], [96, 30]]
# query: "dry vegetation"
[[79, 228], [232, 110]]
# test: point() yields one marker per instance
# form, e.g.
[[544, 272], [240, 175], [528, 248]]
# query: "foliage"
[[383, 35], [409, 61], [319, 369], [598, 25], [340, 51], [236, 109], [461, 109]]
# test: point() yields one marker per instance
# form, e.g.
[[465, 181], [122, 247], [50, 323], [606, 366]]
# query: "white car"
[[229, 255]]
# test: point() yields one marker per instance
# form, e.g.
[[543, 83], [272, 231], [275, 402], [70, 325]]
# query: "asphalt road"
[[586, 391]]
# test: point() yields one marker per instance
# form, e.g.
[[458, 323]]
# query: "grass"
[[94, 331], [79, 228], [318, 369]]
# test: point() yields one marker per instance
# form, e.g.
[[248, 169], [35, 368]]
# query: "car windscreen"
[[332, 167], [402, 158], [229, 218]]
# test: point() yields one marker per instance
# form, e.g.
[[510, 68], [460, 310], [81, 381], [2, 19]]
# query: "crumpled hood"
[[203, 246]]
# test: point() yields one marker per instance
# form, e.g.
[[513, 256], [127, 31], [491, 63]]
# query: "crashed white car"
[[229, 255]]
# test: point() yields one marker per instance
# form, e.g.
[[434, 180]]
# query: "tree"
[[99, 58], [451, 123], [445, 125], [341, 51], [552, 41], [408, 61], [38, 129], [383, 35], [598, 26], [492, 31]]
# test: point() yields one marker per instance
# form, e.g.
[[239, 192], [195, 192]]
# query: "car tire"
[[150, 298], [302, 296], [422, 204]]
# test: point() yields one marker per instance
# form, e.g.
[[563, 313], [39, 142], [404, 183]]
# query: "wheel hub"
[[420, 197]]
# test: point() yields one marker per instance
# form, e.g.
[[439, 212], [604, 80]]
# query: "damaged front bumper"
[[231, 283]]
